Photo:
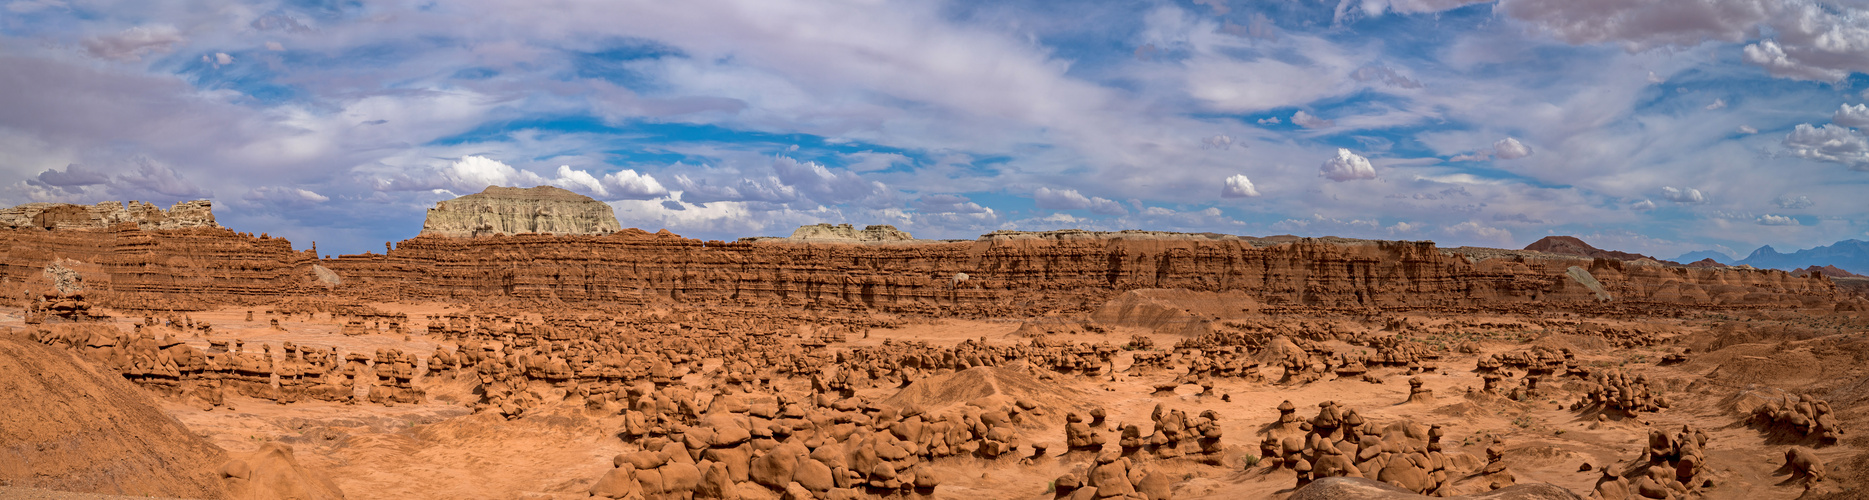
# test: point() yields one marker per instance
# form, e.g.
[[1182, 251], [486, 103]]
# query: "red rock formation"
[[129, 265], [1831, 271], [1003, 273], [1570, 245]]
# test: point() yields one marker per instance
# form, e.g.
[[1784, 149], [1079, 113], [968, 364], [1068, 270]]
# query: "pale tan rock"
[[146, 216], [504, 210]]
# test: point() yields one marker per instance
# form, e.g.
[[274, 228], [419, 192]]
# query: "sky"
[[1637, 125]]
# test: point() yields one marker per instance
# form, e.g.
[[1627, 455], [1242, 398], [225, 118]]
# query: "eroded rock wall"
[[203, 263], [1017, 275], [991, 276]]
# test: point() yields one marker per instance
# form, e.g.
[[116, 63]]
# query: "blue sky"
[[1656, 127]]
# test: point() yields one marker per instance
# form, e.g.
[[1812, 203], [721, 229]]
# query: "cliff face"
[[1000, 274], [1010, 275], [193, 265], [187, 214], [504, 210]]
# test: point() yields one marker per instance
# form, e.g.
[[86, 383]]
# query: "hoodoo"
[[504, 210]]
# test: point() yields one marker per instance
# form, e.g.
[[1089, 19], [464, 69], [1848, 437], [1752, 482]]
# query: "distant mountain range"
[[1848, 255], [1839, 259], [1697, 255]]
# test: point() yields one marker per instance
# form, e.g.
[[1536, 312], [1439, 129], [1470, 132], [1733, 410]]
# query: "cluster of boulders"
[[1226, 362], [171, 367], [1675, 463], [1175, 435], [1114, 476], [71, 306], [1806, 416], [1150, 363], [1538, 360], [1614, 390], [1340, 442], [816, 447], [395, 378], [1672, 466]]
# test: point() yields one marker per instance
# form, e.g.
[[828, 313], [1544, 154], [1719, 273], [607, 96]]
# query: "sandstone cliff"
[[504, 210], [195, 266], [1006, 273], [1000, 273], [187, 214]]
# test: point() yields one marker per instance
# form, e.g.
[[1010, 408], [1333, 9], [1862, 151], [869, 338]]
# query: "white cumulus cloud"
[[1776, 220], [1107, 206], [1682, 195], [1238, 186], [1829, 143], [630, 185], [1851, 116], [1347, 166], [1060, 199], [1511, 149]]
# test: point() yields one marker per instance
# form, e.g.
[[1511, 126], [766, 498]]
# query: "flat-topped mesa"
[[506, 210], [848, 233], [62, 216]]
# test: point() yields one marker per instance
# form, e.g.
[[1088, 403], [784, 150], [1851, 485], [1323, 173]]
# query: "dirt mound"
[[1784, 369], [271, 473], [1172, 310], [987, 384], [67, 427]]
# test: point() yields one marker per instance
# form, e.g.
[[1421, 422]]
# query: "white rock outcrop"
[[846, 232], [505, 210], [187, 214]]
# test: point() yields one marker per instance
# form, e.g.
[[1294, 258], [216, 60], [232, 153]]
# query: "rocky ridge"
[[1570, 245], [146, 216], [508, 211], [848, 233], [1000, 273]]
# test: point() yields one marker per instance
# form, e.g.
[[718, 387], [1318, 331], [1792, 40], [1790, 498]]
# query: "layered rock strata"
[[997, 274], [1007, 273], [187, 214], [503, 210]]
